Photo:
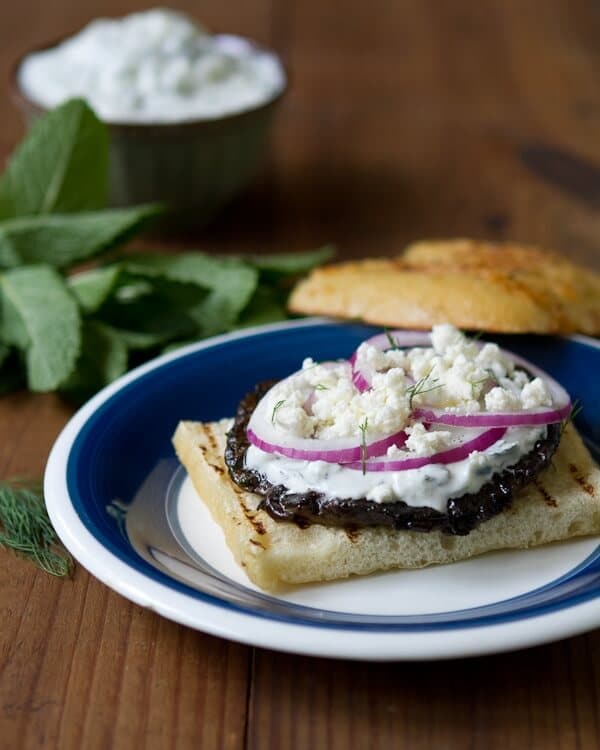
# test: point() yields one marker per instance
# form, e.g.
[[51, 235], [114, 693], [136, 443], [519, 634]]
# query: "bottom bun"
[[563, 502]]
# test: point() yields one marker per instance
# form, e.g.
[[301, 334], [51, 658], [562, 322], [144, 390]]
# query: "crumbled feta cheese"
[[426, 442], [535, 394], [341, 410], [454, 374], [444, 336], [500, 399], [375, 359]]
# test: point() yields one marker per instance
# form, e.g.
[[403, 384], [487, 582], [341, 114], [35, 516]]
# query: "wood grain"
[[540, 698], [406, 119]]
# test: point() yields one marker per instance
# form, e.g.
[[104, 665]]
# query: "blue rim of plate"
[[205, 383]]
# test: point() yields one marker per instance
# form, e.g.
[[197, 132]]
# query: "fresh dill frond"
[[321, 387], [475, 383], [26, 528], [363, 444], [276, 408], [491, 375], [420, 387], [391, 339], [576, 408]]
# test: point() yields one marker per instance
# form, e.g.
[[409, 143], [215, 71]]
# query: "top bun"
[[504, 288]]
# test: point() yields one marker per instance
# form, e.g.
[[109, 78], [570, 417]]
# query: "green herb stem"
[[420, 387], [276, 408], [26, 528], [363, 444]]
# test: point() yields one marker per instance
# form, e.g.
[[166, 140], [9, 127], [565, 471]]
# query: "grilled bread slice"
[[563, 502], [475, 285]]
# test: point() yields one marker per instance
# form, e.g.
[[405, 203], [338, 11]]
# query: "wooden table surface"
[[406, 118]]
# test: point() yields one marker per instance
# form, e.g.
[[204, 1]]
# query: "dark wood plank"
[[541, 698], [408, 120], [82, 667]]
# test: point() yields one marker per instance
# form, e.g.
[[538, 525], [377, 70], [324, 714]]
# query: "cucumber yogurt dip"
[[156, 66]]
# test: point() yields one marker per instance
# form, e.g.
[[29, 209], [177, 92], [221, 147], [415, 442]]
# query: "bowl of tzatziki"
[[188, 112]]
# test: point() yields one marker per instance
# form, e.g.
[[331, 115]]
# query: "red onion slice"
[[262, 433], [561, 401], [481, 442], [499, 419], [362, 375], [333, 451], [560, 409]]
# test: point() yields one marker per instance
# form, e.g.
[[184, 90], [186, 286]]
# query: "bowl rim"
[[29, 106]]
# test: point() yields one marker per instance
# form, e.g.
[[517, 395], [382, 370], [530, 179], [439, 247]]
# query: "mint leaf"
[[148, 321], [266, 306], [198, 268], [60, 167], [215, 314], [293, 263], [92, 288], [139, 340], [63, 239], [39, 315], [103, 358], [232, 283]]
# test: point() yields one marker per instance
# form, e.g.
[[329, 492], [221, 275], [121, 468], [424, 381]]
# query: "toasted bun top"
[[505, 288]]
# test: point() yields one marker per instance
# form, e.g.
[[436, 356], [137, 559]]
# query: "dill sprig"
[[475, 383], [391, 339], [363, 444], [276, 408], [420, 387], [576, 409], [321, 387], [26, 528], [491, 375]]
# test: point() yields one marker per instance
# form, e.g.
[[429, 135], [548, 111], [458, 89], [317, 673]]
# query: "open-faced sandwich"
[[422, 448]]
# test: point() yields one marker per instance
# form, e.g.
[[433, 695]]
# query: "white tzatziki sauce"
[[153, 66], [430, 486], [322, 403]]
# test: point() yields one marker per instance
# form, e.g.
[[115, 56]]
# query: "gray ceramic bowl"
[[195, 166]]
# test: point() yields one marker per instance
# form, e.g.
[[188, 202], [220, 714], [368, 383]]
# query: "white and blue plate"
[[127, 513]]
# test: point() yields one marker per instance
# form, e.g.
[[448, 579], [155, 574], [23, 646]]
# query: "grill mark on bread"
[[547, 497], [210, 436], [216, 467], [581, 480], [257, 543], [250, 516]]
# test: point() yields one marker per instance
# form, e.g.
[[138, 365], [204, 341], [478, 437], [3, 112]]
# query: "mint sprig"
[[73, 331]]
